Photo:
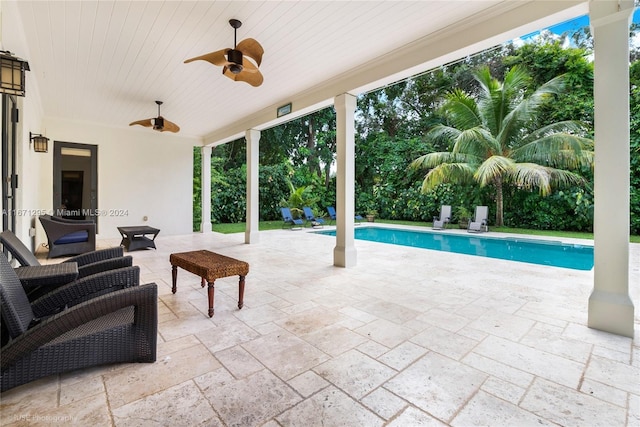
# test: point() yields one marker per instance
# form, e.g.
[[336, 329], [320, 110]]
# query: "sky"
[[576, 24]]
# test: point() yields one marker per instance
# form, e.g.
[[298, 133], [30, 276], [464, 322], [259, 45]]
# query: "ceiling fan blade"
[[252, 49], [248, 66], [219, 58], [170, 126], [146, 123], [253, 78]]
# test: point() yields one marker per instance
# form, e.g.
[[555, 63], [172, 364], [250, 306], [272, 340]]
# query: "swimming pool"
[[544, 252]]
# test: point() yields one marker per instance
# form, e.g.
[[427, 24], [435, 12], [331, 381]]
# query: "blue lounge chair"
[[480, 219], [445, 216], [289, 220], [309, 217], [332, 215]]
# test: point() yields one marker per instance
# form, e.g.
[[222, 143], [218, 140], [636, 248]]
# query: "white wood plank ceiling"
[[108, 61]]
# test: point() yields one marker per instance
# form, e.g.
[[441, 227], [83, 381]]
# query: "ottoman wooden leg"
[[210, 290], [174, 278], [241, 292], [202, 283]]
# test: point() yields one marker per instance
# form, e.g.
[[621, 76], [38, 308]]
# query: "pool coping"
[[493, 234]]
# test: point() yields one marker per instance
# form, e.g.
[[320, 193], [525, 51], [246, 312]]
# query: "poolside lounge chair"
[[289, 220], [310, 218], [445, 216], [332, 215], [479, 222], [82, 324]]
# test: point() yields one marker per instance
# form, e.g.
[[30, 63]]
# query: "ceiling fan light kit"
[[158, 123], [235, 57]]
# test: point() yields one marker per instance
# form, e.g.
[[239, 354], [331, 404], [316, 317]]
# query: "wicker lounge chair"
[[480, 219], [97, 320], [88, 263], [440, 223], [68, 236], [32, 274], [290, 221], [311, 218]]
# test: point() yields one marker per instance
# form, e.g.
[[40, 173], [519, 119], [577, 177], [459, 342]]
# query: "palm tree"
[[493, 143]]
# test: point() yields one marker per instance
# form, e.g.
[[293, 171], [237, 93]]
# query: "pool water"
[[544, 252]]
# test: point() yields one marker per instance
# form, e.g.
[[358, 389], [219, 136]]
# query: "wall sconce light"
[[12, 71], [40, 142]]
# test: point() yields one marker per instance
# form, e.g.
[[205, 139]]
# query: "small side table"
[[209, 266], [135, 237], [44, 278]]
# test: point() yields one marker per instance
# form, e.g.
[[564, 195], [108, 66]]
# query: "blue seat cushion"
[[75, 237]]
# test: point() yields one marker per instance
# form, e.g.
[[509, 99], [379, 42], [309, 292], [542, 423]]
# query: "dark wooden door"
[[75, 180]]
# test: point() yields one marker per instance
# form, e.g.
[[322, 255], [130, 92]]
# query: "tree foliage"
[[634, 105], [493, 143], [394, 127]]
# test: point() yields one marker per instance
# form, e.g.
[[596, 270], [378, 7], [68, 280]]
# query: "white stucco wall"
[[29, 177], [141, 173]]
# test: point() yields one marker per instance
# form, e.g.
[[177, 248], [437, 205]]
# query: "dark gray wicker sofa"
[[101, 319], [68, 236]]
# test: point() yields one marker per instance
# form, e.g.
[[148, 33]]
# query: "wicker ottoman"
[[209, 266]]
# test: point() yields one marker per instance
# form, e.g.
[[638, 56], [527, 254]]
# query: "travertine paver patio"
[[408, 337]]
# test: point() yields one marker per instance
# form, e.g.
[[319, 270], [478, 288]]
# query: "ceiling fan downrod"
[[235, 56], [158, 122]]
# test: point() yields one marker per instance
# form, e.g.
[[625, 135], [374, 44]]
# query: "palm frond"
[[556, 150], [487, 83], [493, 168], [532, 175], [514, 84], [461, 110], [523, 111], [476, 141], [441, 131], [447, 173], [432, 160], [497, 100], [567, 159], [566, 126], [489, 102], [515, 81], [529, 106], [555, 86]]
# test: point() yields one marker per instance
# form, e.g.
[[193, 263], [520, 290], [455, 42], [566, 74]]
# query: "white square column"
[[610, 307], [205, 189], [344, 254], [251, 234]]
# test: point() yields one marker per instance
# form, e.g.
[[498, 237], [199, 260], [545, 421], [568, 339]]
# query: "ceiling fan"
[[234, 61], [159, 123]]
